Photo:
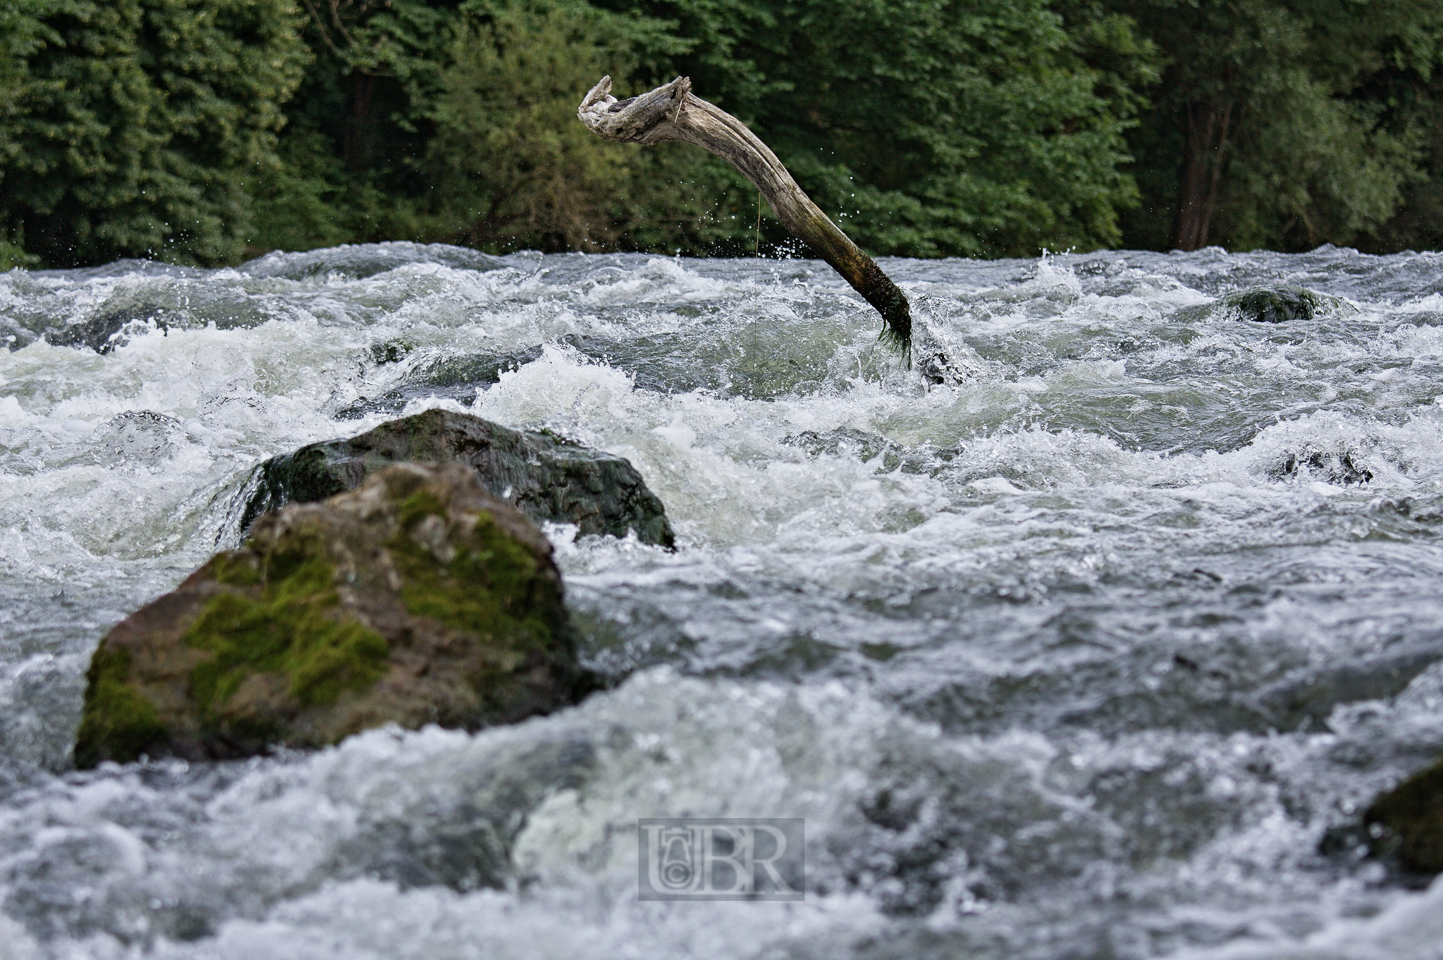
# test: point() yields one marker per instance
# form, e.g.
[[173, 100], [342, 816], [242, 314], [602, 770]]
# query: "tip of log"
[[636, 118], [897, 327], [595, 95]]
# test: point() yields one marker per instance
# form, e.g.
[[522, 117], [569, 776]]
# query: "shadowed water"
[[1078, 654]]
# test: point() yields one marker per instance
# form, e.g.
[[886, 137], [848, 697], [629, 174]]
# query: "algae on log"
[[544, 476], [418, 598], [672, 112], [1406, 823]]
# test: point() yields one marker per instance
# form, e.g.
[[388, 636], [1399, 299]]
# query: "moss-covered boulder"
[[543, 475], [1276, 304], [417, 598], [1405, 824]]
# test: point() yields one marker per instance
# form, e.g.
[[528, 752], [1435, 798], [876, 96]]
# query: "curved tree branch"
[[671, 112]]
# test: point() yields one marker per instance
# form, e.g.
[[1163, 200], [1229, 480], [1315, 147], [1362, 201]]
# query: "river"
[[1077, 654]]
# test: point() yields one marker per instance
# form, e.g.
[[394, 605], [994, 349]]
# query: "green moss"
[[293, 629], [417, 507], [1406, 823], [555, 437], [118, 722], [241, 570], [487, 588], [1276, 305]]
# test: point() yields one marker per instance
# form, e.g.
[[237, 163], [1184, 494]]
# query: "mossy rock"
[[1276, 304], [417, 598], [545, 476], [1405, 824]]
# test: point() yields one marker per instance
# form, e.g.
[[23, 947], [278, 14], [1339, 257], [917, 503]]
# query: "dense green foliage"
[[187, 129], [512, 166], [139, 121], [21, 35], [1285, 124]]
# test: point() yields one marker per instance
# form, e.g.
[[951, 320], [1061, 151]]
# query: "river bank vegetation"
[[207, 131]]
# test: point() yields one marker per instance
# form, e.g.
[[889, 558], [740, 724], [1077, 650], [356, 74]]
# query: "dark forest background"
[[208, 131]]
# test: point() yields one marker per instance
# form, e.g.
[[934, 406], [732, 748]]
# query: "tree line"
[[205, 131]]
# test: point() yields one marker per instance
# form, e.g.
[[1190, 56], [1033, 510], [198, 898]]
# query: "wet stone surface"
[[545, 476]]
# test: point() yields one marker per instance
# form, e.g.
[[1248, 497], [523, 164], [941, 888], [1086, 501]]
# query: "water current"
[[1078, 654]]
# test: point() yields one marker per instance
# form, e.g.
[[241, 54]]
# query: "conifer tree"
[[140, 122]]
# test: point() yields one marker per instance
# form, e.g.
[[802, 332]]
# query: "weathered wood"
[[672, 112]]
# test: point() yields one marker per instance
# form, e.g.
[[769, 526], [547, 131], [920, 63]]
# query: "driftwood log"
[[672, 112]]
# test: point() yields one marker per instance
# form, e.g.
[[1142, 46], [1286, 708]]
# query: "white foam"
[[1039, 540]]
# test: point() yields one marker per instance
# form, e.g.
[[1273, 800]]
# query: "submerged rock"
[[1343, 467], [108, 330], [1275, 304], [849, 441], [545, 476], [1406, 823], [418, 598], [867, 447]]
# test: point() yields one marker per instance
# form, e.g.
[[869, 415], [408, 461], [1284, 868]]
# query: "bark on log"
[[672, 112]]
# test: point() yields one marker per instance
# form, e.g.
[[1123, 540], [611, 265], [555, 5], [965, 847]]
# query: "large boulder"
[[543, 475], [417, 598], [1406, 823]]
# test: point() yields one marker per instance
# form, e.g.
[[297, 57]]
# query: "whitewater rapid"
[[1078, 654]]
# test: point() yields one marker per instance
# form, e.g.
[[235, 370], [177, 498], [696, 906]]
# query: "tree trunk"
[[1205, 154], [671, 112], [356, 145]]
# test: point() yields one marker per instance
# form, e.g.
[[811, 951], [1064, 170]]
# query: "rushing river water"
[[1077, 655]]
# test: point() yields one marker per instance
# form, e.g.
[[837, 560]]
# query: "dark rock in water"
[[1332, 466], [366, 260], [543, 475], [105, 332], [1406, 823], [418, 598], [849, 441], [1275, 304], [663, 363], [454, 378], [935, 368]]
